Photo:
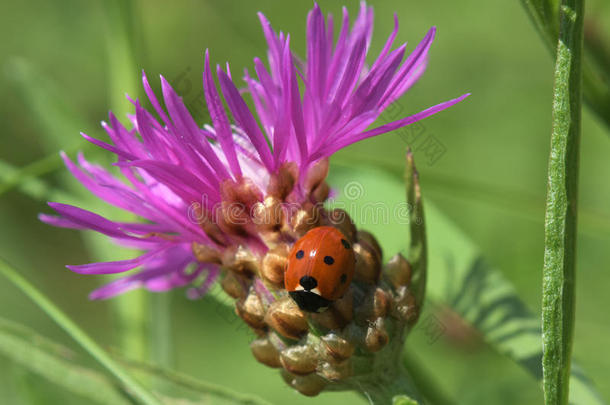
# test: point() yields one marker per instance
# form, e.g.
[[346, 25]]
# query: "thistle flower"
[[230, 199]]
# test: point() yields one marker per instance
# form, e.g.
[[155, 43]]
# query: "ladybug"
[[320, 268]]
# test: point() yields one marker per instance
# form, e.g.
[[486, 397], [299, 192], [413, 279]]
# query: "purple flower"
[[185, 181]]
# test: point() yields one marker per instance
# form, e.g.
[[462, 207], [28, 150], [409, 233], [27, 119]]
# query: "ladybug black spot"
[[300, 254], [329, 260], [308, 282], [343, 278], [345, 244]]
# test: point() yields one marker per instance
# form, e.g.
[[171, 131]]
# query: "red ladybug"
[[320, 268]]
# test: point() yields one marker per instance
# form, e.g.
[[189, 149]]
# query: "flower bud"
[[370, 240], [274, 265], [368, 263], [268, 215], [205, 254], [376, 336], [251, 310], [309, 385], [237, 201], [240, 259], [339, 314], [342, 221], [398, 271], [264, 351], [304, 219], [316, 175], [405, 307], [321, 192], [234, 285], [376, 305], [336, 348], [285, 317], [282, 183], [300, 360], [209, 224], [336, 371]]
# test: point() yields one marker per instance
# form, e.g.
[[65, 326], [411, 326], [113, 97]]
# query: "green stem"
[[392, 387], [561, 208], [161, 325], [36, 169], [131, 385], [418, 247]]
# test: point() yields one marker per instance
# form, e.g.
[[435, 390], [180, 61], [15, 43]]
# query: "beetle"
[[320, 268]]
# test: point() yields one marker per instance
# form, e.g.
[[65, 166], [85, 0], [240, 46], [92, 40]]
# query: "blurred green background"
[[490, 181]]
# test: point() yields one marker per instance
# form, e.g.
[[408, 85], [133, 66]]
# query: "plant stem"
[[392, 387], [418, 246], [561, 207]]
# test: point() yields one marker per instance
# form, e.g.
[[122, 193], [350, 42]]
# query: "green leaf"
[[55, 363], [131, 385], [424, 381], [458, 275], [558, 293]]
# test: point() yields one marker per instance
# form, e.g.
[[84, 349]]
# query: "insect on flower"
[[320, 268], [231, 200]]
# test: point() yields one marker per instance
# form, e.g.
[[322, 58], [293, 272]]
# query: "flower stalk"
[[558, 291]]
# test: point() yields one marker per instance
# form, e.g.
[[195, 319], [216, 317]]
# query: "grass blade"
[[187, 383], [121, 54], [133, 387], [55, 363], [596, 82], [558, 294], [60, 365], [132, 310]]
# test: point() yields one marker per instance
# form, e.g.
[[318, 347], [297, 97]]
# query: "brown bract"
[[285, 317], [313, 350]]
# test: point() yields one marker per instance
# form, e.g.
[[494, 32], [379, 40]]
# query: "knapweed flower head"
[[228, 200]]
